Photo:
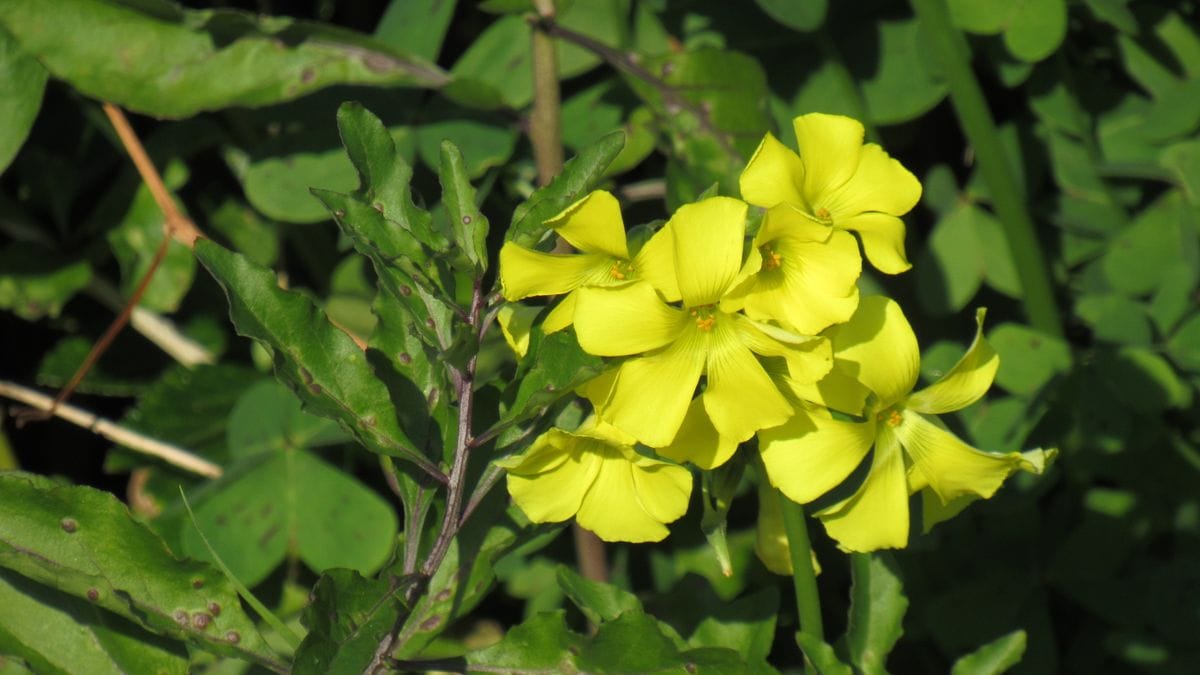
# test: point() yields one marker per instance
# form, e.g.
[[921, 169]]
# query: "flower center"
[[771, 259], [823, 215], [621, 270], [890, 417], [704, 317]]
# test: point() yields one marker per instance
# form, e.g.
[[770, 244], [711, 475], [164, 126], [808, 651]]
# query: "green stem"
[[545, 121], [949, 47], [804, 577]]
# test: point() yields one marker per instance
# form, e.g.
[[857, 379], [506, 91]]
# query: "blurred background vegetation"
[[1094, 110]]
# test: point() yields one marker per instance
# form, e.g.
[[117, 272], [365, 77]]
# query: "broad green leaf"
[[1139, 256], [1184, 345], [994, 657], [292, 500], [899, 84], [559, 365], [468, 223], [824, 660], [953, 264], [34, 284], [348, 618], [598, 601], [487, 140], [746, 625], [175, 62], [416, 27], [542, 643], [84, 543], [1028, 358], [1115, 318], [56, 633], [321, 363], [1183, 159], [135, 243], [1115, 12], [63, 360], [268, 418], [802, 15], [877, 607], [249, 233], [277, 186], [1143, 380], [579, 175], [24, 81], [1032, 29], [636, 642]]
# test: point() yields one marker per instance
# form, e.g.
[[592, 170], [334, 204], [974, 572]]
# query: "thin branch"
[[626, 63], [154, 327], [128, 438], [179, 226], [491, 475]]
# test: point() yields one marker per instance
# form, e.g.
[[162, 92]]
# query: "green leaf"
[[1115, 318], [416, 27], [541, 643], [994, 657], [877, 607], [746, 625], [24, 82], [805, 15], [487, 140], [34, 284], [579, 175], [952, 269], [822, 656], [268, 418], [84, 542], [322, 364], [175, 62], [1138, 257], [1028, 358], [1143, 380], [470, 226], [559, 366], [1184, 345], [292, 499], [598, 601], [633, 642], [348, 618], [56, 633], [135, 243], [1032, 29]]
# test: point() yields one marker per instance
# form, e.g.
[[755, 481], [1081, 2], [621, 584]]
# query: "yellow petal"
[[880, 184], [830, 146], [882, 238], [740, 397], [877, 347], [785, 220], [651, 395], [595, 427], [524, 272], [876, 516], [597, 389], [809, 455], [655, 262], [698, 441], [965, 383], [546, 453], [773, 176], [662, 489], [817, 287], [949, 466], [593, 225], [771, 540], [808, 357], [562, 315], [933, 511], [837, 391], [556, 494], [516, 321], [612, 508], [708, 248], [626, 320]]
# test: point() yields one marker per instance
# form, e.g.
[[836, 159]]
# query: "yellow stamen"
[[822, 212], [616, 272], [894, 419], [771, 259], [705, 323]]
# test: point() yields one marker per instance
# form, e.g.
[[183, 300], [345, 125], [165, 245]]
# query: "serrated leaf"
[[175, 62], [579, 175], [24, 82], [877, 607], [56, 633], [347, 619], [85, 543], [321, 363], [469, 225], [994, 657]]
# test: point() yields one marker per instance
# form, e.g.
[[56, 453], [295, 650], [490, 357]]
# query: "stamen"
[[894, 419], [705, 323], [616, 272], [822, 212], [771, 259]]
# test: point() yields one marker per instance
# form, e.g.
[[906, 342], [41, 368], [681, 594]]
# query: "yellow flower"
[[813, 452], [800, 273], [593, 225], [595, 475], [516, 323], [673, 347], [837, 181]]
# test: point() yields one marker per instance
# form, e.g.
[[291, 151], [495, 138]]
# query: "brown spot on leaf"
[[405, 291], [197, 583], [214, 609], [405, 358], [466, 220], [378, 207], [443, 596], [69, 525], [181, 617], [308, 75], [431, 623], [93, 594], [233, 637], [201, 620]]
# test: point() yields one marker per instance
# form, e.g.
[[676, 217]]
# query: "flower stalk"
[[804, 577]]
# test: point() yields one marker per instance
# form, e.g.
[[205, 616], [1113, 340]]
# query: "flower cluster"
[[721, 334]]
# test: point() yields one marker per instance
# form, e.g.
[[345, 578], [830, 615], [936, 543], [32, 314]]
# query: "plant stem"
[[545, 121], [804, 577], [950, 48]]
